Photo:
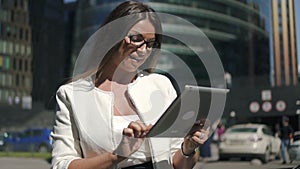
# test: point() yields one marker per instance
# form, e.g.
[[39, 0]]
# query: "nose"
[[142, 48]]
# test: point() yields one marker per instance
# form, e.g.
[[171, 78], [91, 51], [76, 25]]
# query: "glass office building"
[[284, 35], [15, 52], [238, 29]]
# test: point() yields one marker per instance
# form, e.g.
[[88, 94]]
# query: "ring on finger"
[[201, 136]]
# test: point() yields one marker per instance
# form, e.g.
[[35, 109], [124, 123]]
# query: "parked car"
[[294, 148], [32, 139], [249, 140], [2, 134]]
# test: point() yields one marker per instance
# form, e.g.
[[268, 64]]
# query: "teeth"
[[131, 57]]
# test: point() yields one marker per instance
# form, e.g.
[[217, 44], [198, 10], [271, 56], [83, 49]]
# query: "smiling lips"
[[137, 59]]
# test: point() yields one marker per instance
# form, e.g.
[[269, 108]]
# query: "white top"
[[143, 154], [84, 122]]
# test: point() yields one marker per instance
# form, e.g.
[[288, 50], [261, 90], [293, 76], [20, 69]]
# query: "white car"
[[294, 148], [249, 140]]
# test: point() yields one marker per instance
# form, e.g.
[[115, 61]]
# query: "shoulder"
[[157, 79], [78, 85]]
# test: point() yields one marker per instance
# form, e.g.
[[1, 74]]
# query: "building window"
[[3, 15], [12, 16], [22, 49], [8, 31], [17, 80], [26, 34], [2, 77], [22, 4], [1, 99], [9, 80], [7, 62], [1, 46], [4, 46], [21, 33], [20, 64], [6, 94], [15, 64], [28, 50], [27, 82], [15, 3], [1, 29], [25, 5], [1, 61], [17, 48], [14, 31], [26, 65], [23, 79], [10, 48]]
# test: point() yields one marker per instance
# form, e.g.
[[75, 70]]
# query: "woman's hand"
[[186, 156], [132, 139], [196, 139]]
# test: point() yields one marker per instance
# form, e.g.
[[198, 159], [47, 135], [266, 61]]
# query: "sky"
[[68, 1]]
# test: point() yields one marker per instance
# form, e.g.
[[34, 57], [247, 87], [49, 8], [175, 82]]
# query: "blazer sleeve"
[[66, 142]]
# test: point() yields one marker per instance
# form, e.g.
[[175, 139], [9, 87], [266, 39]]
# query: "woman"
[[103, 117]]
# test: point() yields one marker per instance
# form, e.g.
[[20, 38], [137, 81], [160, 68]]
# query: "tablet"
[[187, 113]]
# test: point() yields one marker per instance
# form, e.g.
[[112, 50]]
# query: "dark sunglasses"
[[138, 41]]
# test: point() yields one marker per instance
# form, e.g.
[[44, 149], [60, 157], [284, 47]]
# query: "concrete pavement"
[[235, 163], [23, 163], [211, 163]]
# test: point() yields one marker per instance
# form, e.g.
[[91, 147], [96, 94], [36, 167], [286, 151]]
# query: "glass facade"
[[239, 30], [284, 35], [15, 47], [50, 49]]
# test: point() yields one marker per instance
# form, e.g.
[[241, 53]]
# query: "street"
[[23, 163], [28, 163], [235, 164], [212, 163]]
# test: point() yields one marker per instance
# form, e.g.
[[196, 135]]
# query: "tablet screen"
[[189, 111]]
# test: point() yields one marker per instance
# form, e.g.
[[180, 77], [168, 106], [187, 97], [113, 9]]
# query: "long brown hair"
[[137, 11]]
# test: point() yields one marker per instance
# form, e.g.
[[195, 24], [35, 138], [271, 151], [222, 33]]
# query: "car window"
[[26, 133], [297, 137], [244, 130], [267, 131], [37, 132], [14, 134]]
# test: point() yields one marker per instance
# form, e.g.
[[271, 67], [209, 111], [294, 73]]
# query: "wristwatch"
[[187, 155]]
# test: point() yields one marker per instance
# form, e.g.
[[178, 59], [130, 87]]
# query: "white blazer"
[[83, 125]]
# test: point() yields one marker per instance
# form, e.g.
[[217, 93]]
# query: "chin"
[[132, 70]]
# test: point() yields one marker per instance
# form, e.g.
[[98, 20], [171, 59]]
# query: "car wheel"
[[43, 149], [266, 157], [222, 157]]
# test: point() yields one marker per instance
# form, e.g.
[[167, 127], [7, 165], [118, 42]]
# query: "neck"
[[113, 74]]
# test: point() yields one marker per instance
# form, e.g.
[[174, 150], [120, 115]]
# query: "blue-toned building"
[[242, 33], [239, 30]]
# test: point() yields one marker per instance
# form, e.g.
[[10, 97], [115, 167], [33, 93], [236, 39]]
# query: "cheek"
[[150, 55]]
